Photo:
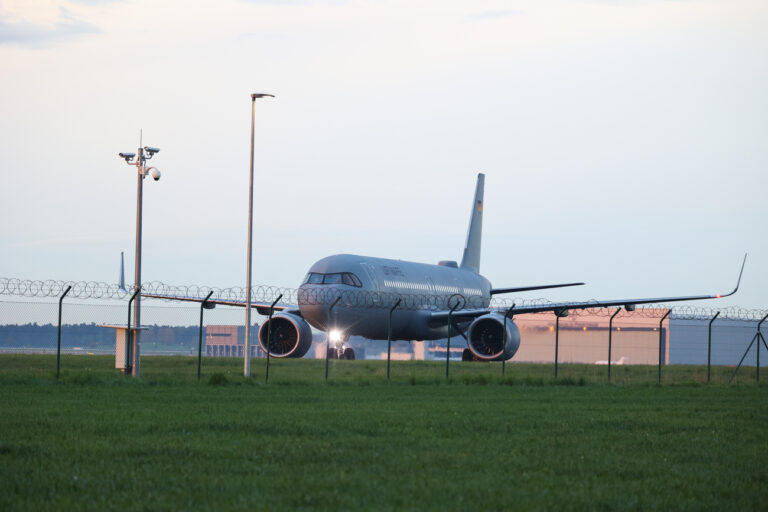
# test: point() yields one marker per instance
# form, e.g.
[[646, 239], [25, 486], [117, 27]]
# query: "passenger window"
[[332, 279], [315, 278]]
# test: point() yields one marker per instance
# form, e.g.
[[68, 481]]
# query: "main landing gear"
[[468, 356]]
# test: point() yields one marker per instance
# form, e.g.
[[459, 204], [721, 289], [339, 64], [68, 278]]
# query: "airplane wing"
[[495, 291], [562, 308], [261, 307]]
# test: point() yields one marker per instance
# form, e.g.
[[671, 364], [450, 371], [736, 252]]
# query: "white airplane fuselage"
[[367, 286]]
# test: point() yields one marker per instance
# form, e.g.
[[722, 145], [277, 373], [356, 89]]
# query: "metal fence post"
[[557, 338], [610, 340], [508, 314], [448, 346], [558, 313], [203, 305], [389, 335], [760, 337], [661, 337], [58, 341], [709, 348], [328, 335], [269, 334], [129, 335], [756, 338]]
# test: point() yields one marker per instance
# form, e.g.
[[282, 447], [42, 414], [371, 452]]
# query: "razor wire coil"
[[349, 298]]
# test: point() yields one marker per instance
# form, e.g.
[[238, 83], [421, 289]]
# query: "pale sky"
[[624, 143]]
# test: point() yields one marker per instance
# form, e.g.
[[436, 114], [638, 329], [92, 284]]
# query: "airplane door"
[[371, 276], [371, 273]]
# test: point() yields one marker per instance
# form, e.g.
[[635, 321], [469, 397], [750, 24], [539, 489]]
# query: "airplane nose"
[[313, 306]]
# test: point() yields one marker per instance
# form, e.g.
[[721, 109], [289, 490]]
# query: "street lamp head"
[[261, 95], [127, 156]]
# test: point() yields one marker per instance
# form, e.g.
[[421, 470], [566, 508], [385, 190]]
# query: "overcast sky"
[[624, 143]]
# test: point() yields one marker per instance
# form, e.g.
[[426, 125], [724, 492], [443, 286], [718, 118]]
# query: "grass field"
[[95, 439]]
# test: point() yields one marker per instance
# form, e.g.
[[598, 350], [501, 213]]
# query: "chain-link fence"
[[31, 326], [581, 341]]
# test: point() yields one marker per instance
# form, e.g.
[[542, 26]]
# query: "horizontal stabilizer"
[[495, 291]]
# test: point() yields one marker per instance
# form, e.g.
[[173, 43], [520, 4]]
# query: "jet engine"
[[486, 340], [291, 336]]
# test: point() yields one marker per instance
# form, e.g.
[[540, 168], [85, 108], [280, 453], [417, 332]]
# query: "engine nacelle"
[[291, 336], [486, 339]]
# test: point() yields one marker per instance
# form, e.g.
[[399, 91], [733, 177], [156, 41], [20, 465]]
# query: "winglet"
[[738, 282]]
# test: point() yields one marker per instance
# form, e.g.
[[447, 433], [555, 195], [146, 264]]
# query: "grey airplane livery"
[[347, 294]]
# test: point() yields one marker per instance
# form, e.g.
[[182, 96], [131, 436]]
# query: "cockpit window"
[[314, 278], [332, 279], [351, 279], [347, 278]]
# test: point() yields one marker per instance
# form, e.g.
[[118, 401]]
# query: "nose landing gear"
[[341, 352], [337, 340]]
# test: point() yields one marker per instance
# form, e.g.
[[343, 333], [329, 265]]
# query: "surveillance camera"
[[127, 156], [151, 150], [155, 174]]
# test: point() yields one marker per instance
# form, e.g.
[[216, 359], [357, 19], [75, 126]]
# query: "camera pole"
[[145, 153]]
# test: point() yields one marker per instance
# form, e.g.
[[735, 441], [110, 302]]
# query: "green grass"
[[95, 439], [161, 369]]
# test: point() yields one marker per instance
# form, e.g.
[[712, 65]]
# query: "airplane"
[[347, 294], [605, 362]]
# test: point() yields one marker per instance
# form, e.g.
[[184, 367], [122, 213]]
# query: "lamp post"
[[247, 362], [145, 153]]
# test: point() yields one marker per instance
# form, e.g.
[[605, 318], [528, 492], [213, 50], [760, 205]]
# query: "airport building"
[[583, 338], [229, 341], [730, 339]]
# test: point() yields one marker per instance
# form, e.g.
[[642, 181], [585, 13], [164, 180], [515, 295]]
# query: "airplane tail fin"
[[471, 258], [121, 279]]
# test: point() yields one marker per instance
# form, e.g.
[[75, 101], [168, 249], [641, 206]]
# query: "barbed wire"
[[259, 293], [654, 310], [349, 298], [101, 290], [54, 288]]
